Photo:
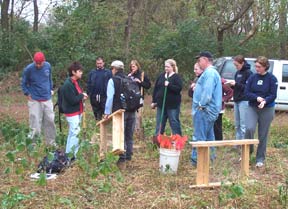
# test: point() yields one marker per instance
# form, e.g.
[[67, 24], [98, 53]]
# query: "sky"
[[28, 13]]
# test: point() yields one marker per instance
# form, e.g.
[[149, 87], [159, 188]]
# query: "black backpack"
[[59, 162], [59, 104], [131, 98]]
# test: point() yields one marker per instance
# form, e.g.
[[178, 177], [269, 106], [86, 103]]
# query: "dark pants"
[[98, 107], [129, 126], [218, 128]]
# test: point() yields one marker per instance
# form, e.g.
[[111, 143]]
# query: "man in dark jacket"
[[96, 87], [113, 103]]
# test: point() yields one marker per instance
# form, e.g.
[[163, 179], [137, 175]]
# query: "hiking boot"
[[121, 164]]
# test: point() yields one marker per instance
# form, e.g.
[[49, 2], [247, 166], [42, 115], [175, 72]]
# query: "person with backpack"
[[37, 86], [97, 86], [116, 99], [72, 104], [171, 98]]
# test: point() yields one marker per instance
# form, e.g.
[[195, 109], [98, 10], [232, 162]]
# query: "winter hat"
[[117, 64], [39, 57]]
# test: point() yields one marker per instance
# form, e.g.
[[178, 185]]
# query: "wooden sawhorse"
[[203, 158], [117, 118]]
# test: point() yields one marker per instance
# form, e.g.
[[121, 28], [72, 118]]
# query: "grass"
[[90, 183]]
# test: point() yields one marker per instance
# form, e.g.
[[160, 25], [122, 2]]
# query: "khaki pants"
[[41, 116]]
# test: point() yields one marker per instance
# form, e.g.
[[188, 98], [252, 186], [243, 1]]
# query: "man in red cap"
[[37, 86]]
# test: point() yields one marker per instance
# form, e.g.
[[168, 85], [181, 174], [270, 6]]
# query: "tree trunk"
[[12, 15], [36, 16], [128, 26], [226, 25], [282, 28], [5, 15]]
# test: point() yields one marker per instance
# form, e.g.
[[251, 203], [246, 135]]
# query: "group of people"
[[254, 102], [254, 96]]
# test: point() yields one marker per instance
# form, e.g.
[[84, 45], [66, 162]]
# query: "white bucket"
[[169, 160]]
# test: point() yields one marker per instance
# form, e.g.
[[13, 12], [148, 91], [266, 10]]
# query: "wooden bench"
[[203, 158], [117, 118]]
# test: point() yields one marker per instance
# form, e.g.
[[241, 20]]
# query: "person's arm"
[[248, 91], [208, 88], [50, 79], [272, 90], [176, 84], [228, 92], [24, 81], [110, 96], [69, 94], [146, 84]]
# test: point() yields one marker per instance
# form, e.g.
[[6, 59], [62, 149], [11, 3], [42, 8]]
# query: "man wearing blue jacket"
[[207, 102], [37, 87]]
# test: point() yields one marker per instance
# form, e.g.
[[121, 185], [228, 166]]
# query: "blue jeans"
[[173, 116], [203, 131], [240, 109], [72, 144], [129, 126]]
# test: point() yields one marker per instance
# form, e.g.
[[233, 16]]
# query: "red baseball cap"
[[39, 57]]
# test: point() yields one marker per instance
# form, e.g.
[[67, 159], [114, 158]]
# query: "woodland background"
[[147, 30]]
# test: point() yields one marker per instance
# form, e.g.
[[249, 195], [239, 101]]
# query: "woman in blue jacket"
[[261, 92]]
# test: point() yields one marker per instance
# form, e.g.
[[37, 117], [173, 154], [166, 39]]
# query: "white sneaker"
[[259, 164]]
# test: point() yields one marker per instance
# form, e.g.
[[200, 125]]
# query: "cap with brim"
[[204, 54], [39, 57], [117, 64]]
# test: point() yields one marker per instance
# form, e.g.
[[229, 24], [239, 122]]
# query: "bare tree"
[[283, 7], [222, 27], [5, 14], [36, 16]]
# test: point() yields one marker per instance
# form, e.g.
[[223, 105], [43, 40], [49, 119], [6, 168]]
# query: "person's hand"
[[262, 104], [29, 97], [193, 85], [260, 99], [232, 83], [153, 105], [137, 80], [85, 96], [105, 117], [166, 83]]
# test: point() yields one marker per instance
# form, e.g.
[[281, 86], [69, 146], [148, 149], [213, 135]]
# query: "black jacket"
[[71, 99], [241, 77], [173, 97], [146, 84]]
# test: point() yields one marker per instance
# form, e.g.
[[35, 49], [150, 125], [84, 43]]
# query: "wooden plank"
[[218, 184], [203, 159], [245, 160], [223, 143], [118, 131], [103, 138], [110, 117]]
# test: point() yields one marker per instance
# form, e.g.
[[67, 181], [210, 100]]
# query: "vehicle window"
[[228, 71], [285, 73]]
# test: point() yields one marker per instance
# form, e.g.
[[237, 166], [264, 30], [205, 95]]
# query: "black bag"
[[59, 162], [59, 104], [131, 98], [59, 100]]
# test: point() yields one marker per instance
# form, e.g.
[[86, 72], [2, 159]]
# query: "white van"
[[279, 68]]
